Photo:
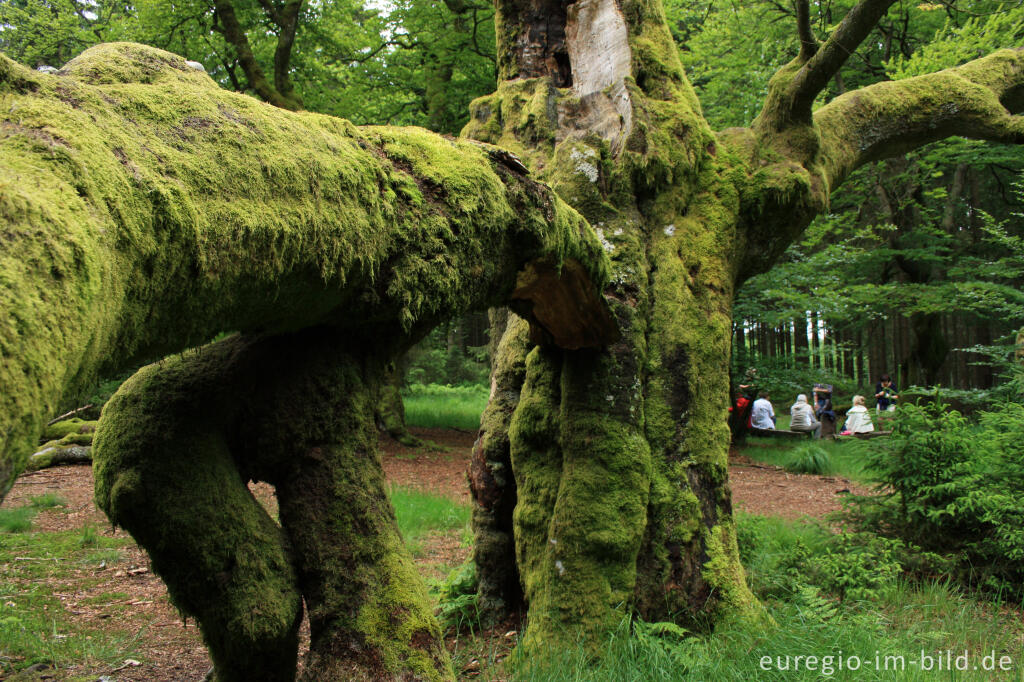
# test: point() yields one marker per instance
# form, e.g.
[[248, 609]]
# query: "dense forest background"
[[916, 270]]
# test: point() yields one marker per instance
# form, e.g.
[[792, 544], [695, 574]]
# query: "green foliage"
[[407, 63], [955, 487], [784, 382], [436, 361], [435, 406], [858, 565], [51, 32], [457, 598]]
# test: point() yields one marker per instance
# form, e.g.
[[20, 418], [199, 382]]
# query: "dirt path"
[[124, 596], [772, 491]]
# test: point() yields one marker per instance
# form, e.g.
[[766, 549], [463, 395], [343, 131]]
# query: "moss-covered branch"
[[144, 210], [789, 171], [793, 89], [983, 99]]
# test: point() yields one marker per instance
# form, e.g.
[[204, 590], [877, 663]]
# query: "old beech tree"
[[144, 210]]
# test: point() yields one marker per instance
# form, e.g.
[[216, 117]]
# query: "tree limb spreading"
[[982, 99], [794, 88], [145, 209]]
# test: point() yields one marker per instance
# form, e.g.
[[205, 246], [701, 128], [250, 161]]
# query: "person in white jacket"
[[858, 419], [762, 414], [802, 417]]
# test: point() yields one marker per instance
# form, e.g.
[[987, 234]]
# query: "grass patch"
[[36, 625], [420, 513], [437, 406], [847, 458], [47, 501], [17, 520]]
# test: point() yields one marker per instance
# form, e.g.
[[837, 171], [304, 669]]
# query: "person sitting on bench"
[[802, 417], [762, 415], [858, 419]]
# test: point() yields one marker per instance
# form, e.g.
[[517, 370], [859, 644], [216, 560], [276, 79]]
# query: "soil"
[[170, 649]]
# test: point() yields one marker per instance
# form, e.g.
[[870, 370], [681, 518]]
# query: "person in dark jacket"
[[886, 395]]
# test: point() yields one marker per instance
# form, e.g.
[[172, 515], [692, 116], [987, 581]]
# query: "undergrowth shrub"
[[457, 606], [954, 487]]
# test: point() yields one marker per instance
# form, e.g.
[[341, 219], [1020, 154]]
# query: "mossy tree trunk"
[[600, 477], [161, 210], [177, 444], [144, 210]]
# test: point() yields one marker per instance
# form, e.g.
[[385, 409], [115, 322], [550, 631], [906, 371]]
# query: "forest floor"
[[96, 600]]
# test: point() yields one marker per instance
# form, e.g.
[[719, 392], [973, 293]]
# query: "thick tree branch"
[[177, 209], [982, 99], [288, 21], [808, 43], [854, 28]]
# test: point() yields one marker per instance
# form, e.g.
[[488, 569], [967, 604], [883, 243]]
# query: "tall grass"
[[902, 620], [437, 406]]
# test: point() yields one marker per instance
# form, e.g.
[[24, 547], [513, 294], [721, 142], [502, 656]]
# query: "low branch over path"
[[144, 209]]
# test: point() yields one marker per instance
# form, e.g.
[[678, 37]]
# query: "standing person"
[[762, 415], [886, 393], [858, 419], [802, 417]]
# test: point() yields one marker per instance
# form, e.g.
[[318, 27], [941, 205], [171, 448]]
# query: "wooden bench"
[[778, 433], [865, 436]]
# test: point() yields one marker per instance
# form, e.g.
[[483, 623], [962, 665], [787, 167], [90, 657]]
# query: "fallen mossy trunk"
[[56, 454], [66, 442]]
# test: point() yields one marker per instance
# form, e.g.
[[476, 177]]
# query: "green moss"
[[166, 474], [59, 430], [160, 209], [297, 411], [724, 573]]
